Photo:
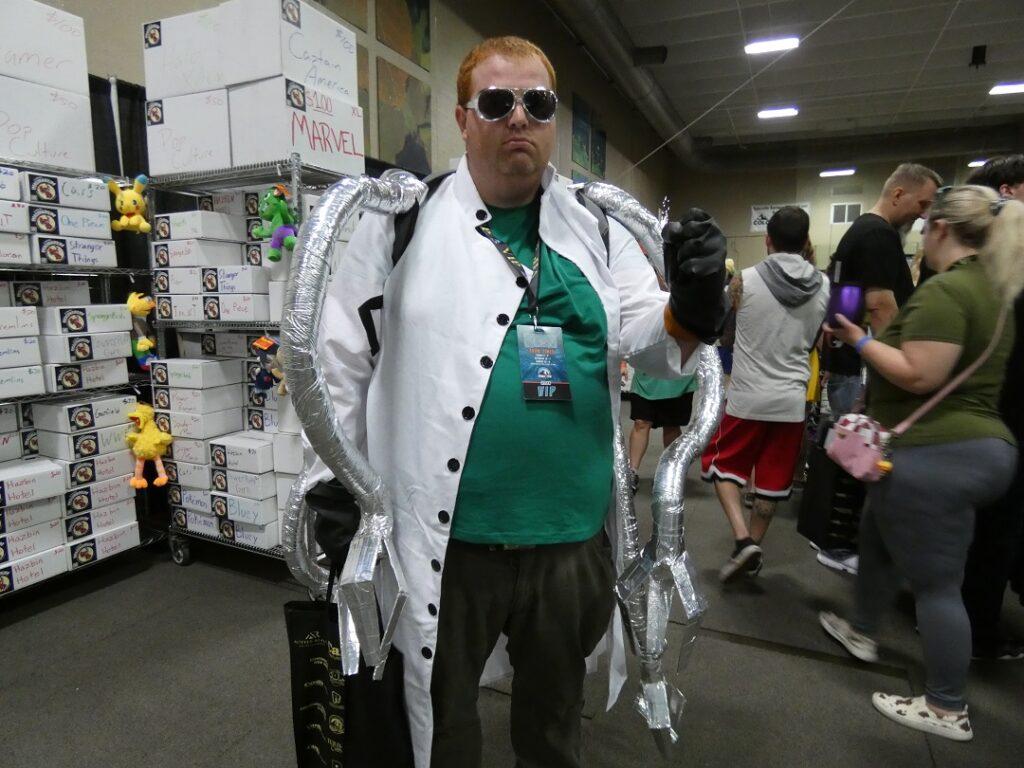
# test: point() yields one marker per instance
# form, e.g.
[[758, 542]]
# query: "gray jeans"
[[918, 524], [843, 391]]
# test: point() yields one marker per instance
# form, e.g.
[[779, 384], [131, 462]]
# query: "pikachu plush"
[[131, 204]]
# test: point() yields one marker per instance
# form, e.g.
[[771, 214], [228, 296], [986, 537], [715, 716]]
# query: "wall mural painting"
[[363, 84], [598, 149], [404, 26], [580, 132], [403, 118]]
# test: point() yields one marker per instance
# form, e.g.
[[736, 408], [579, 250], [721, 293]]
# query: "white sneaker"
[[859, 646], [915, 713], [839, 560]]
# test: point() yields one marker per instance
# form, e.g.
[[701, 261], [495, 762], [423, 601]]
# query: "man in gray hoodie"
[[780, 306]]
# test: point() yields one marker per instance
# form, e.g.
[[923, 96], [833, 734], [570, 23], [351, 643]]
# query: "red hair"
[[510, 47]]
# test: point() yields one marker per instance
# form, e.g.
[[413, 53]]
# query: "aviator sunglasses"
[[495, 103]]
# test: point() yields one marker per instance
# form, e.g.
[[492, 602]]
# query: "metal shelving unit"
[[76, 270], [57, 170], [178, 540], [135, 381]]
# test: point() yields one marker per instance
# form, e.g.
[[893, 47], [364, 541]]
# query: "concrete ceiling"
[[879, 67]]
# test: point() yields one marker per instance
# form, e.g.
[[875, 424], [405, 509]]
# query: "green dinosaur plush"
[[281, 230]]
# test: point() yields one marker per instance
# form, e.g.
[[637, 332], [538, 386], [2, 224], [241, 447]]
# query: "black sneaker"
[[634, 482], [746, 559]]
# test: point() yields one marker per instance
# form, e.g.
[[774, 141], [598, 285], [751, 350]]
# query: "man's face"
[[1013, 191], [516, 145], [913, 203]]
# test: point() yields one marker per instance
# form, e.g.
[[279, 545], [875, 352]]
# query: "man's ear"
[[461, 116], [897, 194], [768, 243]]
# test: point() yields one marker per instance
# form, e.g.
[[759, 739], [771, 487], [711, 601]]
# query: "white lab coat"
[[404, 405]]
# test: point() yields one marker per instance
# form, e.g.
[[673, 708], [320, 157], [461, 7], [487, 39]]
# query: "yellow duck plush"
[[131, 204], [148, 443]]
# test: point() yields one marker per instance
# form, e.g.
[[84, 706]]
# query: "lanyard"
[[533, 285]]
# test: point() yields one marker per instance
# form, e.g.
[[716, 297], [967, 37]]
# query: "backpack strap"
[[405, 223]]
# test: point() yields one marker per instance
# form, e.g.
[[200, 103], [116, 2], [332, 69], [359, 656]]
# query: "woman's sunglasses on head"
[[495, 103]]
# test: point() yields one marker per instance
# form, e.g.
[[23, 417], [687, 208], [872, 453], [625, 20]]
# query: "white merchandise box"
[[19, 351], [284, 487], [290, 38], [29, 541], [287, 417], [97, 468], [257, 254], [70, 222], [243, 451], [79, 348], [245, 484], [241, 509], [72, 377], [90, 318], [25, 481], [215, 344], [19, 382], [76, 251], [261, 420], [51, 189], [196, 253], [81, 445], [185, 134], [276, 294], [49, 293], [44, 45], [15, 248], [292, 117], [256, 398], [6, 296], [13, 216], [101, 519], [188, 450], [10, 446], [98, 494], [203, 225], [288, 453], [185, 54], [86, 414], [237, 202], [196, 374], [253, 307], [196, 400], [233, 279], [199, 426], [102, 545], [51, 126], [33, 513], [265, 536], [188, 475], [8, 418], [10, 189], [189, 498], [183, 306], [30, 570], [197, 522]]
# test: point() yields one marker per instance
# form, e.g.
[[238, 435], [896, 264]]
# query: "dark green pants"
[[553, 603]]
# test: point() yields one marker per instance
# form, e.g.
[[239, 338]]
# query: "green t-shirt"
[[541, 472], [959, 307], [650, 388]]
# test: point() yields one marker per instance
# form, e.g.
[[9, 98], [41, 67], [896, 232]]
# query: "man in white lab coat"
[[480, 375]]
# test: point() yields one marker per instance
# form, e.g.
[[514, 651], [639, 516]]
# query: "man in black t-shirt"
[[870, 254]]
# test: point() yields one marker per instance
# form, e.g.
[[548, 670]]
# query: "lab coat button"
[[444, 517], [427, 653], [502, 319], [468, 413], [432, 609], [481, 215], [486, 362], [453, 465], [436, 565], [521, 281]]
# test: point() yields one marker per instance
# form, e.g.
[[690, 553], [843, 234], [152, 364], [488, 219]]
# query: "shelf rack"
[[56, 170], [216, 326], [134, 381], [178, 541], [77, 270]]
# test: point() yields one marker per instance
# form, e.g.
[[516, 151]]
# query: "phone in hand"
[[846, 300]]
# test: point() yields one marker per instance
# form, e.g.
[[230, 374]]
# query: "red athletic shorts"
[[767, 449]]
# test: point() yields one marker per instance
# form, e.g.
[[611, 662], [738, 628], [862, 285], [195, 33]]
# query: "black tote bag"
[[831, 503]]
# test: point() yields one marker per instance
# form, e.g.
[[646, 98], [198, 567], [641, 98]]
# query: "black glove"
[[337, 518], [695, 269]]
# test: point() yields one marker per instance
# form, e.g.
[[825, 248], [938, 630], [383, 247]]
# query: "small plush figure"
[[272, 365], [140, 305], [282, 231], [131, 204], [148, 443]]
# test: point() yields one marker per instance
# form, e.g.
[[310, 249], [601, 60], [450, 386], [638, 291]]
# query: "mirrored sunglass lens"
[[495, 103], [540, 104]]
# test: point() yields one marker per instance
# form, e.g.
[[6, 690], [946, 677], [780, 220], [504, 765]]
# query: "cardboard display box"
[[215, 344], [235, 279], [237, 202], [80, 348], [25, 481], [258, 255], [197, 374], [73, 377], [196, 400], [85, 414], [93, 470], [18, 321], [102, 545], [276, 294], [98, 520], [15, 248], [92, 318], [70, 222], [193, 521], [265, 536], [50, 293], [243, 510], [288, 453], [189, 498], [244, 452], [325, 130], [185, 54], [6, 296], [81, 445], [76, 251], [191, 252], [188, 450], [29, 541], [10, 188], [20, 516], [199, 426], [284, 487], [50, 189], [19, 351], [19, 382], [8, 418], [51, 126], [44, 45], [29, 570], [98, 494], [188, 475], [183, 306], [252, 307], [10, 446], [188, 133], [245, 484], [203, 225], [256, 398], [13, 216]]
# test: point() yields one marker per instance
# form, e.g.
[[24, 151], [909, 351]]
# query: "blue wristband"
[[859, 346]]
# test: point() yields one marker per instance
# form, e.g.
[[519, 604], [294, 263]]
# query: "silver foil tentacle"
[[629, 212], [372, 545]]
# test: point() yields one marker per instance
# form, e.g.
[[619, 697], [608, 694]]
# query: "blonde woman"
[[960, 456]]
